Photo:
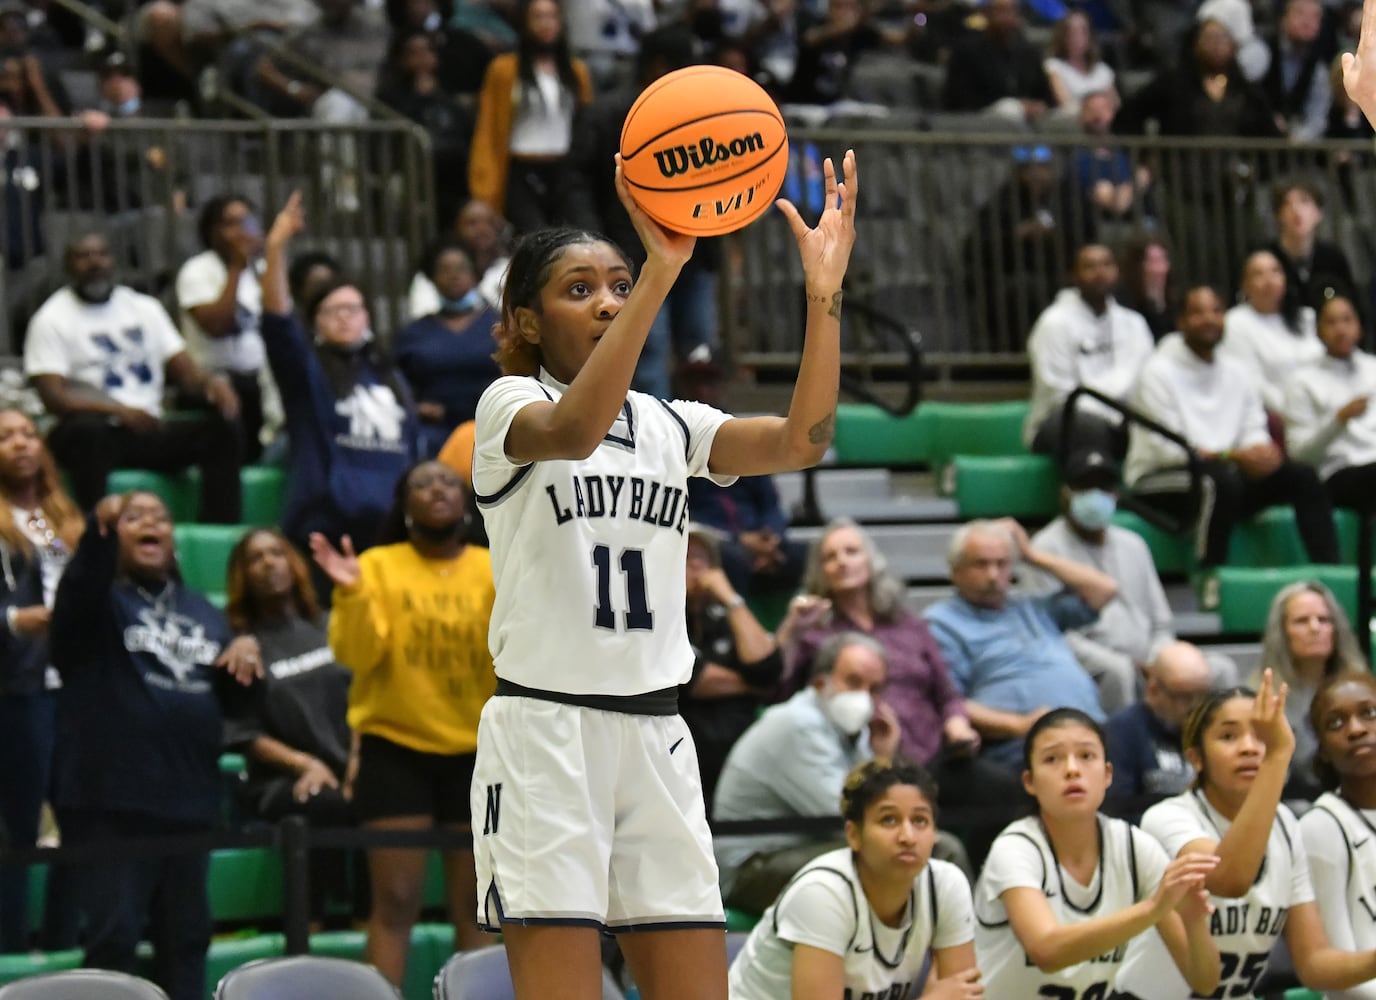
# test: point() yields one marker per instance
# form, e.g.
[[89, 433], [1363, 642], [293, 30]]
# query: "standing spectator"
[[39, 528], [410, 620], [1145, 266], [829, 52], [1084, 338], [222, 311], [1075, 67], [1212, 402], [139, 737], [349, 417], [1005, 651], [737, 661], [291, 724], [22, 172], [1269, 333], [1329, 422], [1117, 190], [1307, 641], [1296, 81], [1144, 738], [1315, 269], [98, 354], [525, 120], [998, 71], [447, 357]]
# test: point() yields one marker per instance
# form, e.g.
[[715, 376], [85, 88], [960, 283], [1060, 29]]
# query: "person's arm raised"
[[762, 445], [571, 428]]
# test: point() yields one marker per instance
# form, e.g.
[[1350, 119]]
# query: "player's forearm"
[[811, 420]]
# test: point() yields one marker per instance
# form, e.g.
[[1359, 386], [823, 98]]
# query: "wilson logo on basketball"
[[708, 152]]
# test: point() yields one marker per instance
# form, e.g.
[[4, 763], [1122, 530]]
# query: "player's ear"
[[853, 835], [528, 324]]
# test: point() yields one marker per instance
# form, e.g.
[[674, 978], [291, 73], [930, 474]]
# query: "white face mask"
[[850, 710]]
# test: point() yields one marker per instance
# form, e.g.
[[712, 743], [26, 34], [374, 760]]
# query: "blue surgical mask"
[[129, 107], [1092, 509], [473, 300]]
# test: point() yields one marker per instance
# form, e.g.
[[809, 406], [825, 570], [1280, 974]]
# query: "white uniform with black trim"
[[1130, 868], [1340, 841], [1244, 929], [825, 907], [588, 561]]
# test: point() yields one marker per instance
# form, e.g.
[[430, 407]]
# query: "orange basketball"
[[704, 150]]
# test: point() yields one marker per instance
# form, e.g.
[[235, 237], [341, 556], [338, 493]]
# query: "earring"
[[409, 521]]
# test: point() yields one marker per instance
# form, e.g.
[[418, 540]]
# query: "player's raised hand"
[[825, 248], [1268, 717], [669, 246], [1359, 70], [339, 566]]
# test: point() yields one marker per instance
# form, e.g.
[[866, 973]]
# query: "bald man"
[[1144, 739]]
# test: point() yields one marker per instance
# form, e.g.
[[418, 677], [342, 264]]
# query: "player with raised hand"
[[1064, 891], [588, 810]]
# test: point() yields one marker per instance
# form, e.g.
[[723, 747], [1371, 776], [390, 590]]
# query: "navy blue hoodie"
[[346, 454], [139, 722], [23, 658]]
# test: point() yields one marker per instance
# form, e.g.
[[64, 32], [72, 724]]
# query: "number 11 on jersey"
[[637, 617]]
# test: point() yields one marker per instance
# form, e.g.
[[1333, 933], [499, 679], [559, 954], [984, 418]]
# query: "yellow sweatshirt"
[[414, 632]]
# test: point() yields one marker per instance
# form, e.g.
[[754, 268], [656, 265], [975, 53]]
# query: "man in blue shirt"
[[1005, 651]]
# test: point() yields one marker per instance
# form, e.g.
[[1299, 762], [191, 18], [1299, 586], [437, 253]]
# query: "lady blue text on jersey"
[[595, 496]]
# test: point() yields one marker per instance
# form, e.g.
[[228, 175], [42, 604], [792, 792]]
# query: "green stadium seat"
[[227, 954], [1346, 523], [739, 920], [245, 884], [867, 435], [264, 492], [24, 964], [181, 491], [1300, 993], [431, 946], [203, 554], [233, 765], [38, 895], [339, 944], [1245, 593], [1005, 486], [433, 897], [1172, 554], [1271, 538]]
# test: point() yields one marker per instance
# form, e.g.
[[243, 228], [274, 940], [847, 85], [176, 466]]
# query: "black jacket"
[[23, 658]]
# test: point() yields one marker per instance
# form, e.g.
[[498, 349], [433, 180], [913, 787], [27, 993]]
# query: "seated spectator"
[[291, 722], [828, 53], [139, 737], [348, 40], [1315, 269], [24, 174], [810, 941], [488, 20], [1137, 624], [1144, 738], [39, 528], [98, 354], [772, 39], [737, 663], [1297, 80], [525, 121], [1005, 651], [1270, 334], [756, 553], [1022, 244], [24, 84], [1084, 338], [1146, 288], [447, 357], [350, 420], [412, 85], [607, 34], [1075, 67], [1307, 641], [411, 620], [1115, 189], [794, 759], [463, 56], [997, 71], [309, 272], [1212, 402], [188, 35], [1329, 422], [222, 312], [487, 236], [1236, 17]]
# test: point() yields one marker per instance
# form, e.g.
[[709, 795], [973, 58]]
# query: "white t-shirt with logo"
[[120, 346], [200, 282], [825, 907]]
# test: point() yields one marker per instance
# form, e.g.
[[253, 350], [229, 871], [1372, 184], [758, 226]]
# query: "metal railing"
[[969, 236], [142, 182]]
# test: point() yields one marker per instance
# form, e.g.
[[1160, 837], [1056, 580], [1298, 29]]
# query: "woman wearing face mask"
[[349, 415], [1338, 831], [447, 357], [1327, 422], [1239, 744], [1272, 337]]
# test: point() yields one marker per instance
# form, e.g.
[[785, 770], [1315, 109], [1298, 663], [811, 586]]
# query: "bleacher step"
[[915, 552]]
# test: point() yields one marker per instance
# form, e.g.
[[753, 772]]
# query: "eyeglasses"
[[343, 309]]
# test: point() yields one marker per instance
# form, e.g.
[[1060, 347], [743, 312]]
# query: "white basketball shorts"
[[589, 817]]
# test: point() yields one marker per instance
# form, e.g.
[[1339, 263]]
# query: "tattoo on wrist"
[[835, 311], [821, 431]]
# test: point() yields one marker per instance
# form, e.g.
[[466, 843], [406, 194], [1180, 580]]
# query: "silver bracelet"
[[12, 619]]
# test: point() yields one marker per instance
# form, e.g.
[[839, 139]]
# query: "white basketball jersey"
[[825, 907], [1130, 867], [1340, 841], [1244, 929], [589, 557]]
